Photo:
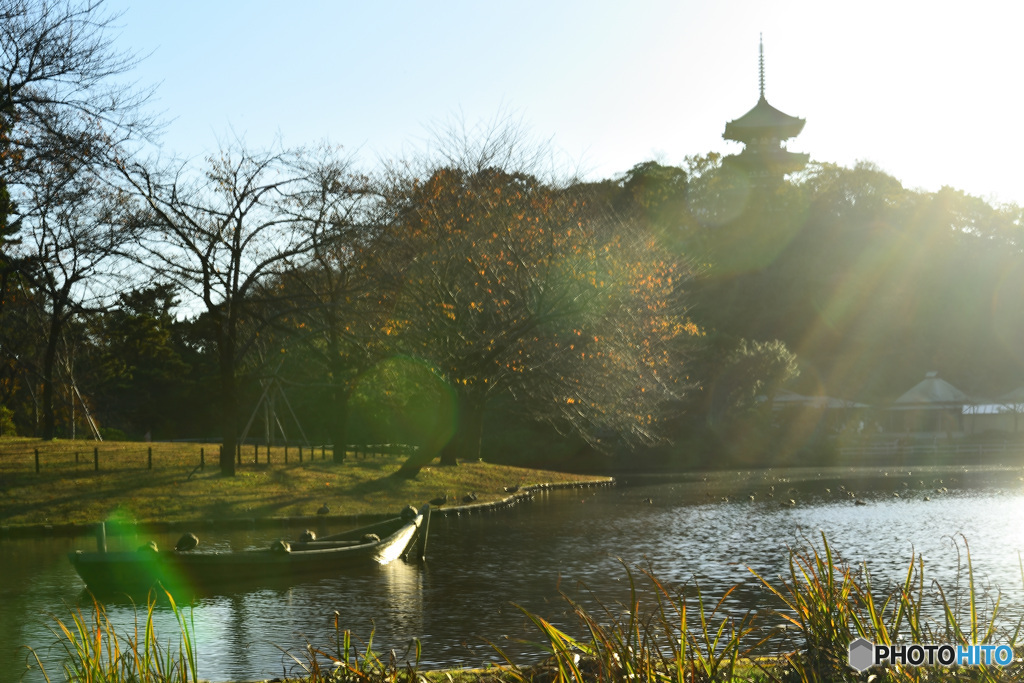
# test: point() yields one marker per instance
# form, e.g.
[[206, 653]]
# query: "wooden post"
[[300, 453], [96, 458], [268, 453], [37, 461], [202, 458], [149, 457], [239, 451], [424, 532], [101, 537], [285, 452], [323, 451], [256, 453]]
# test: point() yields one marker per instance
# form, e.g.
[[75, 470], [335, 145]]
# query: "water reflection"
[[573, 541]]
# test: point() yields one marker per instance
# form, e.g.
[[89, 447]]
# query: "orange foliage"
[[518, 285]]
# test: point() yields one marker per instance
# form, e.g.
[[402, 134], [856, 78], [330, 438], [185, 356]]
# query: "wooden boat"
[[136, 572]]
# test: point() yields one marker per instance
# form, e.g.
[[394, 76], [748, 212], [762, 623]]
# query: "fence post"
[[37, 461], [149, 458], [285, 452], [300, 453], [96, 458], [256, 453], [202, 458], [101, 537], [268, 453]]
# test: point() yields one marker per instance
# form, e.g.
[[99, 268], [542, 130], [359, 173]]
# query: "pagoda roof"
[[763, 120], [771, 161]]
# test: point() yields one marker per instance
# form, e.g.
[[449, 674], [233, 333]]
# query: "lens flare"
[[405, 400]]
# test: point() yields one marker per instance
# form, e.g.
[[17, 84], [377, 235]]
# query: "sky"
[[928, 91]]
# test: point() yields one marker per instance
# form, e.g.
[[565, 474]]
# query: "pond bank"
[[118, 527]]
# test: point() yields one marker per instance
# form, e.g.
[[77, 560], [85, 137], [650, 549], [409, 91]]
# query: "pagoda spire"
[[761, 62]]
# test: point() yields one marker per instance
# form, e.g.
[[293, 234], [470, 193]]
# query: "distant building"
[[932, 406], [763, 131], [999, 415]]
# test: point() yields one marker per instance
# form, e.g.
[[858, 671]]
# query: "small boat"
[[135, 572]]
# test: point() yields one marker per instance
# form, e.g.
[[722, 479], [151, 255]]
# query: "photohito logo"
[[864, 654]]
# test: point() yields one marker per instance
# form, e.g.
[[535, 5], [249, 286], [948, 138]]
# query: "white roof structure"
[[990, 409], [931, 393], [1015, 396]]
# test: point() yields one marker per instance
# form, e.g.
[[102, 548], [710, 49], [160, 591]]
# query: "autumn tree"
[[514, 286]]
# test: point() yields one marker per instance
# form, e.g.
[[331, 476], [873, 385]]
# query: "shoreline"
[[75, 529], [716, 479]]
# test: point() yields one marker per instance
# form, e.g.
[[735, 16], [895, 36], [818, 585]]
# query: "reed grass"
[[830, 604], [344, 663], [676, 636], [661, 636], [94, 652]]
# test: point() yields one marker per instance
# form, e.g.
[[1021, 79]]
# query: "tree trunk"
[[229, 398], [49, 361], [339, 427], [465, 444], [415, 462], [229, 425]]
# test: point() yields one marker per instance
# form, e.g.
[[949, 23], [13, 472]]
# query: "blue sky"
[[929, 91]]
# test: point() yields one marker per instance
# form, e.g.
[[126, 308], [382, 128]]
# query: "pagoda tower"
[[763, 131]]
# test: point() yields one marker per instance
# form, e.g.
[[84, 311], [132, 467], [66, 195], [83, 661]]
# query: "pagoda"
[[763, 130]]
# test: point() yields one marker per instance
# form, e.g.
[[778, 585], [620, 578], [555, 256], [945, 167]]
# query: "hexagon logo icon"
[[862, 654]]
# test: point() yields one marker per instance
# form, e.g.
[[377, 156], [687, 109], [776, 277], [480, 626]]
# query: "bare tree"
[[64, 107], [334, 308], [219, 236], [61, 96], [74, 256]]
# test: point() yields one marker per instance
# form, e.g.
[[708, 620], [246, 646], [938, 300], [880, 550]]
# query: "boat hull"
[[139, 571]]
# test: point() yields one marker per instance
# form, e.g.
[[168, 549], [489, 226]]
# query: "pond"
[[709, 528]]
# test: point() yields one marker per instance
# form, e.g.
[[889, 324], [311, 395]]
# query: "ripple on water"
[[567, 541]]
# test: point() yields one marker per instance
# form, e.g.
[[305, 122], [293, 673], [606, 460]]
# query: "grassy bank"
[[69, 489]]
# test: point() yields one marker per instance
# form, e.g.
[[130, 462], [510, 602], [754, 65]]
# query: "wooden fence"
[[896, 450], [74, 457]]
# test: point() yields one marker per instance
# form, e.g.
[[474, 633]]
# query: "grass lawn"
[[65, 491]]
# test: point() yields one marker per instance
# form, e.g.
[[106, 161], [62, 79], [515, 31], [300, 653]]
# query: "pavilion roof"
[[932, 391], [1015, 396]]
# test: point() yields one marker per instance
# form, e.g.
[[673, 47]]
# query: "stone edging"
[[524, 494]]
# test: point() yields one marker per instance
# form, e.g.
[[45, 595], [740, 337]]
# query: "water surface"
[[699, 528]]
